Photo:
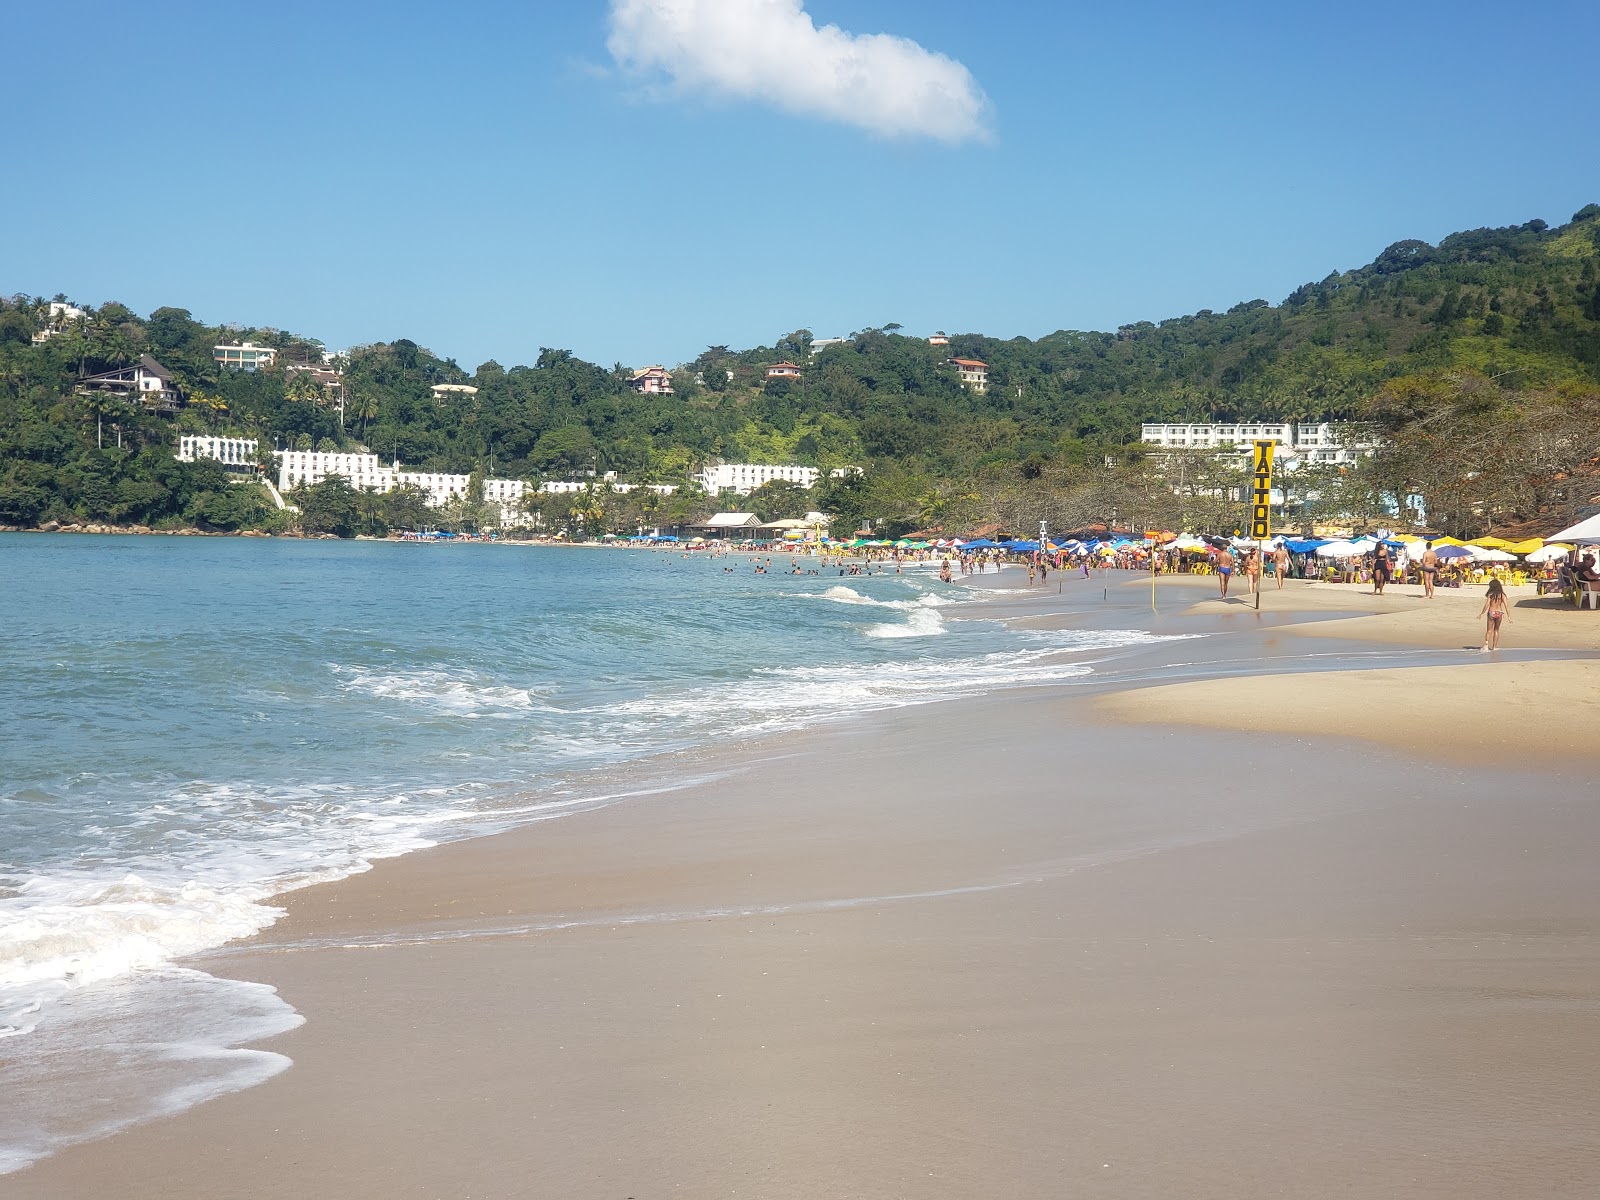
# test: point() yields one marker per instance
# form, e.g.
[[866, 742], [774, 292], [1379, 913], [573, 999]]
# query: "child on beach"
[[1496, 608]]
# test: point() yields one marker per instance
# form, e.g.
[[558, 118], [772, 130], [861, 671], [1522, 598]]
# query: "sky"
[[634, 180]]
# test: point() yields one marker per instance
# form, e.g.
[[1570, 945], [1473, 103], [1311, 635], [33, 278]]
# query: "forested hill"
[[1518, 305]]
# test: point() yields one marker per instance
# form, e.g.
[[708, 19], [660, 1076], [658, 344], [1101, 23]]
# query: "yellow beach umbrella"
[[1525, 546]]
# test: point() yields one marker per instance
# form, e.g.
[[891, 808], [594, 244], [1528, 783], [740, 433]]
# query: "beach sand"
[[1043, 944]]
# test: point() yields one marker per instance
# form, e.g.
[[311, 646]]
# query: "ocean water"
[[194, 727]]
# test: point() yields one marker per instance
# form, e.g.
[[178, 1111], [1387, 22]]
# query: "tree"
[[406, 507], [328, 506]]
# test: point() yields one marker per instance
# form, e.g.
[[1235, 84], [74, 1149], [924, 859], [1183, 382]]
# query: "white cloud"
[[770, 50]]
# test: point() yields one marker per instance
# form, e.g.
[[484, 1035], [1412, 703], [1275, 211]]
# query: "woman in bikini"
[[1430, 569], [1497, 609]]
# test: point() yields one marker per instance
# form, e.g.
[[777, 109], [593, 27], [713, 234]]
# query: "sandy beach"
[[1301, 906]]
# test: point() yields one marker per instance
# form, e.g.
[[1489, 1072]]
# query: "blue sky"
[[488, 178]]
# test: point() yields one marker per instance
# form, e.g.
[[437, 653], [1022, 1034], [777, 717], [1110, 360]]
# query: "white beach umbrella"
[[1486, 554], [1554, 552]]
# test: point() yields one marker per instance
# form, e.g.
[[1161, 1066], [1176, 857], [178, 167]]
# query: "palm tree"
[[99, 403], [363, 407]]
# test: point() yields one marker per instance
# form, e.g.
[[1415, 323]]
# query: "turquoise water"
[[196, 726]]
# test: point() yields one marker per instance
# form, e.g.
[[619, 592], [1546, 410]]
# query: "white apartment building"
[[1328, 442], [365, 472], [239, 453], [743, 478]]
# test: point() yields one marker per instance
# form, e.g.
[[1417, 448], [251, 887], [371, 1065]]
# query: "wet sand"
[[996, 947]]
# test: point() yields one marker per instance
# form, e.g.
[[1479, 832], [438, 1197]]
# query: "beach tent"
[[1584, 533], [1339, 550], [1303, 545], [980, 544]]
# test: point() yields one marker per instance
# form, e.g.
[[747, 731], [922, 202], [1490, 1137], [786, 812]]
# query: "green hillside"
[[1494, 333]]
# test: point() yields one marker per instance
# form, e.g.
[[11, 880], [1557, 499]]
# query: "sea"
[[191, 728]]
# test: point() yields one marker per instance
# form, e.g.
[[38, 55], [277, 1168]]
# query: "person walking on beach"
[[1224, 570], [1252, 570], [1497, 609], [1280, 564], [1380, 568], [1430, 569]]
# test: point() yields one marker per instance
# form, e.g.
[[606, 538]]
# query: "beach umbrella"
[[1553, 552], [1493, 555], [1448, 552], [1523, 547]]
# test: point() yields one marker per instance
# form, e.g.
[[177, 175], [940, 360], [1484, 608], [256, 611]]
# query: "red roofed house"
[[974, 374], [783, 370], [652, 381]]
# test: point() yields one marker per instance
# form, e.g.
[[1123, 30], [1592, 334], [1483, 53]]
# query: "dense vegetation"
[[1479, 358]]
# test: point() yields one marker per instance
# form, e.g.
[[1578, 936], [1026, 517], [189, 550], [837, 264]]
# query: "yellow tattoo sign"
[[1261, 492]]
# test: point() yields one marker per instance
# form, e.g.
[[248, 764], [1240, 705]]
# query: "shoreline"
[[582, 953]]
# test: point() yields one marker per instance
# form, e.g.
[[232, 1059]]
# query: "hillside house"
[[652, 381], [146, 381], [973, 373], [244, 356], [783, 370]]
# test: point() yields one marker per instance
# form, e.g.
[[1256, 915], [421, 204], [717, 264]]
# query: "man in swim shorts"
[[1224, 570]]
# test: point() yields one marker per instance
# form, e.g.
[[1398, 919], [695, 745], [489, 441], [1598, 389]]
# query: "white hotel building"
[[365, 472], [743, 478], [237, 453], [1326, 443]]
